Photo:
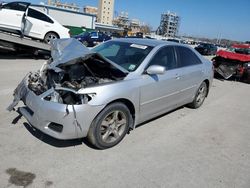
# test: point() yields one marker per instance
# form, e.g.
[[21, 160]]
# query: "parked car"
[[206, 49], [136, 35], [115, 35], [19, 17], [234, 62], [92, 38], [103, 93], [175, 40]]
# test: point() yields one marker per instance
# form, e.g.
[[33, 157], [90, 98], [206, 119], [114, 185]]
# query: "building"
[[58, 4], [90, 10], [122, 20], [105, 12], [135, 26], [169, 25], [130, 26]]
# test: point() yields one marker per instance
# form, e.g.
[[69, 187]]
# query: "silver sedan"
[[103, 93]]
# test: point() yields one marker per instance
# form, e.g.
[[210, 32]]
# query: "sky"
[[228, 19]]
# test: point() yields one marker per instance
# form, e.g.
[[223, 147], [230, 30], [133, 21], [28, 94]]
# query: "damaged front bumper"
[[58, 120]]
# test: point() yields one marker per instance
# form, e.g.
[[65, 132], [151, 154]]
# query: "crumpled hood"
[[67, 51], [233, 56]]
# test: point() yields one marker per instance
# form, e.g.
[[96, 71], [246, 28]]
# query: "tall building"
[[105, 11], [169, 25]]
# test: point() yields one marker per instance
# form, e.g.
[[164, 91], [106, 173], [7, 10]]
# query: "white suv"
[[19, 17]]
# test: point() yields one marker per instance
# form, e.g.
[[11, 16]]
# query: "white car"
[[19, 17]]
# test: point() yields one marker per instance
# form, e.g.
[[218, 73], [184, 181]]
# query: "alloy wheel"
[[201, 95], [113, 126], [50, 37]]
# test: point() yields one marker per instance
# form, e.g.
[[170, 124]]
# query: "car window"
[[186, 57], [38, 15], [16, 6], [110, 51], [165, 57], [84, 34], [127, 55]]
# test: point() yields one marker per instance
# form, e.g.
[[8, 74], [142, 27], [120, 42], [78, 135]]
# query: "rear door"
[[190, 72], [37, 24], [12, 15]]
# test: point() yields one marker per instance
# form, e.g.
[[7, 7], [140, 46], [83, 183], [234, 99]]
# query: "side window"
[[187, 57], [16, 6], [38, 15], [165, 57]]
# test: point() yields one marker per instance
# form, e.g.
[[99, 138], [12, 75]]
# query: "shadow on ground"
[[50, 140], [69, 143], [232, 79]]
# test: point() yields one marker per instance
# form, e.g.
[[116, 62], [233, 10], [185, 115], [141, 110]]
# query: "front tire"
[[200, 96], [110, 126]]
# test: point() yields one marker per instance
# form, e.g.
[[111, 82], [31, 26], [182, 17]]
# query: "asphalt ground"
[[208, 147]]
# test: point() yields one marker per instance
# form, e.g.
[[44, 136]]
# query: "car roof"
[[146, 42]]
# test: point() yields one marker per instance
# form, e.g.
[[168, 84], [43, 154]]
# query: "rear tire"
[[49, 37], [110, 126], [200, 96]]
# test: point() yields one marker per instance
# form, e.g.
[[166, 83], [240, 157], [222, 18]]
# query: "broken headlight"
[[69, 97]]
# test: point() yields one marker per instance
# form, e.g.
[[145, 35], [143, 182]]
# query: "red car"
[[233, 62]]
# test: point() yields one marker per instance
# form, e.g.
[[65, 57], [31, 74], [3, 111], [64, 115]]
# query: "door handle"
[[19, 14]]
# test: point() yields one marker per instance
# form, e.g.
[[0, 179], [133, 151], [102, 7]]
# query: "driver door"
[[160, 93], [12, 15]]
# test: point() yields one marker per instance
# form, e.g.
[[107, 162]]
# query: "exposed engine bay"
[[67, 77], [71, 78], [63, 78]]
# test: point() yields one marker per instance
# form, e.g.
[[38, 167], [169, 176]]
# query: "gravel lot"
[[208, 147]]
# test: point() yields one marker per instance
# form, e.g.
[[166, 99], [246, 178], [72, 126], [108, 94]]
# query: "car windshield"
[[204, 45], [84, 34], [127, 55]]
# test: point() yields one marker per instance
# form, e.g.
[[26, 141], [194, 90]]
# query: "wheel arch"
[[52, 32], [129, 105]]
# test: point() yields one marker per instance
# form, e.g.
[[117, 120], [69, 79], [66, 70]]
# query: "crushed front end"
[[233, 62], [54, 98]]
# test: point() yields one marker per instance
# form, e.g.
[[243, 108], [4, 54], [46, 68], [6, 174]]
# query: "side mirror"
[[155, 69]]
